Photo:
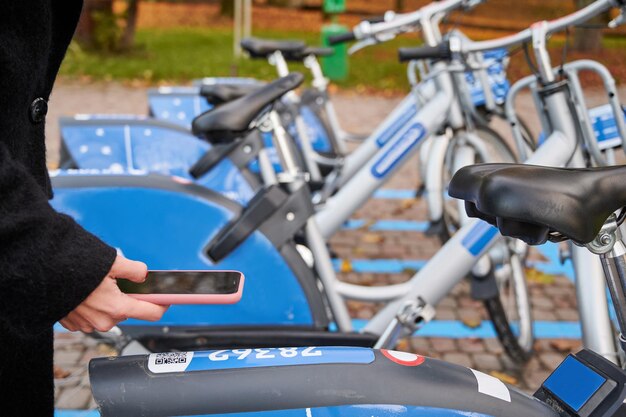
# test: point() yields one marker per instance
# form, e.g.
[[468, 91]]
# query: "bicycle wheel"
[[496, 149], [509, 311]]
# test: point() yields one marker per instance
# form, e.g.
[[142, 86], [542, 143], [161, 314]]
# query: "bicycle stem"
[[609, 246]]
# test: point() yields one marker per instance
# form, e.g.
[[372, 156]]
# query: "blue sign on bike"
[[255, 358], [398, 150]]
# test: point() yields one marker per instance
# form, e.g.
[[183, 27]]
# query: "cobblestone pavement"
[[552, 297]]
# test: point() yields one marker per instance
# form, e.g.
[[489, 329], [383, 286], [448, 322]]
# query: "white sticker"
[[491, 386], [160, 363]]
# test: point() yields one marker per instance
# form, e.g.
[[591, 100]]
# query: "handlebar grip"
[[341, 38], [375, 19], [441, 51]]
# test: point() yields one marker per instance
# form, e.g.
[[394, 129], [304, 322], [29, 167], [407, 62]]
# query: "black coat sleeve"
[[48, 263]]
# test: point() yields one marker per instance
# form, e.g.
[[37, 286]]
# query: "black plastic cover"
[[233, 118], [529, 202]]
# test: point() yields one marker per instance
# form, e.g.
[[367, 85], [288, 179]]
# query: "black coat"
[[48, 264]]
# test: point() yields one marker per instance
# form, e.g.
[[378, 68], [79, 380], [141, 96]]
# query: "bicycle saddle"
[[217, 94], [533, 202], [309, 50], [230, 120], [262, 48]]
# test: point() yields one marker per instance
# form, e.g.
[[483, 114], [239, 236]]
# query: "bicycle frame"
[[590, 288], [474, 238]]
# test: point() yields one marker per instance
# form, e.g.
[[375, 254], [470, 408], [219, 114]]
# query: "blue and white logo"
[[398, 150]]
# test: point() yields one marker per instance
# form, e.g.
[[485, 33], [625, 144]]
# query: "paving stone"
[[76, 398], [462, 359], [486, 362], [550, 360], [446, 314], [471, 345], [443, 345], [541, 302], [567, 314], [493, 346], [68, 357], [421, 345]]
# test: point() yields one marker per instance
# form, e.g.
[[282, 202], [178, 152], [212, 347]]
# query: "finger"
[[144, 310], [69, 324], [82, 324], [131, 270]]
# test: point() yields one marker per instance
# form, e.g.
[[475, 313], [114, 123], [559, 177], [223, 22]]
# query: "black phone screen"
[[184, 282]]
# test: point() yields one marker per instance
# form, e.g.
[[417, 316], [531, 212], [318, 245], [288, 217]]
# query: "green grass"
[[184, 54], [180, 55]]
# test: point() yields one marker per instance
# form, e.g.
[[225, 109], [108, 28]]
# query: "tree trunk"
[[87, 25], [128, 35], [399, 6], [227, 8], [589, 39], [292, 4]]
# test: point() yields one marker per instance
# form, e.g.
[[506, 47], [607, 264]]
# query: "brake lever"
[[373, 40], [619, 20]]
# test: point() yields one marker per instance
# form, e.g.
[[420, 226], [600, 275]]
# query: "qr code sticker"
[[170, 358]]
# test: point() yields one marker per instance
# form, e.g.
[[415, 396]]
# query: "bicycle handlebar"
[[406, 21], [341, 38], [552, 26], [441, 51]]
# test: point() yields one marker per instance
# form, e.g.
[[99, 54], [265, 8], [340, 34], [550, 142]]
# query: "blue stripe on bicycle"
[[479, 237], [386, 225], [387, 193], [455, 329], [381, 266], [76, 413]]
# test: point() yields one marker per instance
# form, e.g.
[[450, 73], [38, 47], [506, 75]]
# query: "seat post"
[[609, 246]]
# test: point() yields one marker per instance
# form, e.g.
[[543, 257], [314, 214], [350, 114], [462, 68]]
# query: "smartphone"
[[187, 287]]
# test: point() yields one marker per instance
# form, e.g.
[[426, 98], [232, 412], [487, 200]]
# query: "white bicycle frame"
[[458, 255], [589, 278]]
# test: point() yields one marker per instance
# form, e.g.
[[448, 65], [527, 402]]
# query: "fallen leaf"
[[372, 238], [562, 345], [346, 266], [538, 277], [402, 345], [506, 378], [60, 373], [471, 322]]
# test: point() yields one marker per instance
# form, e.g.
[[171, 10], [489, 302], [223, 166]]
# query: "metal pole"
[[237, 29], [247, 18]]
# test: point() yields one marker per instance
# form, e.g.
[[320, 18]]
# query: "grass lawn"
[[181, 54]]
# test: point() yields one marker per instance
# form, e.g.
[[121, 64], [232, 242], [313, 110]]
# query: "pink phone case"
[[169, 299]]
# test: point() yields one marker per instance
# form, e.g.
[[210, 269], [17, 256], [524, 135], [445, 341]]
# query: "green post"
[[335, 67]]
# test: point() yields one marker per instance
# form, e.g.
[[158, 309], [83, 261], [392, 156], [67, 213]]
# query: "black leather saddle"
[[262, 48], [533, 202], [309, 50], [218, 94], [232, 119]]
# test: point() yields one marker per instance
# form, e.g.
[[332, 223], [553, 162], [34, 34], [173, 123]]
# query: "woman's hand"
[[107, 305]]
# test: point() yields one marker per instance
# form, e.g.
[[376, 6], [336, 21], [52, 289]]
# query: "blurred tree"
[[227, 8], [399, 5], [587, 39], [102, 29], [294, 4], [86, 29], [128, 35]]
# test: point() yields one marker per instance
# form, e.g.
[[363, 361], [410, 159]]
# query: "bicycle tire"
[[448, 224], [518, 347], [517, 344]]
